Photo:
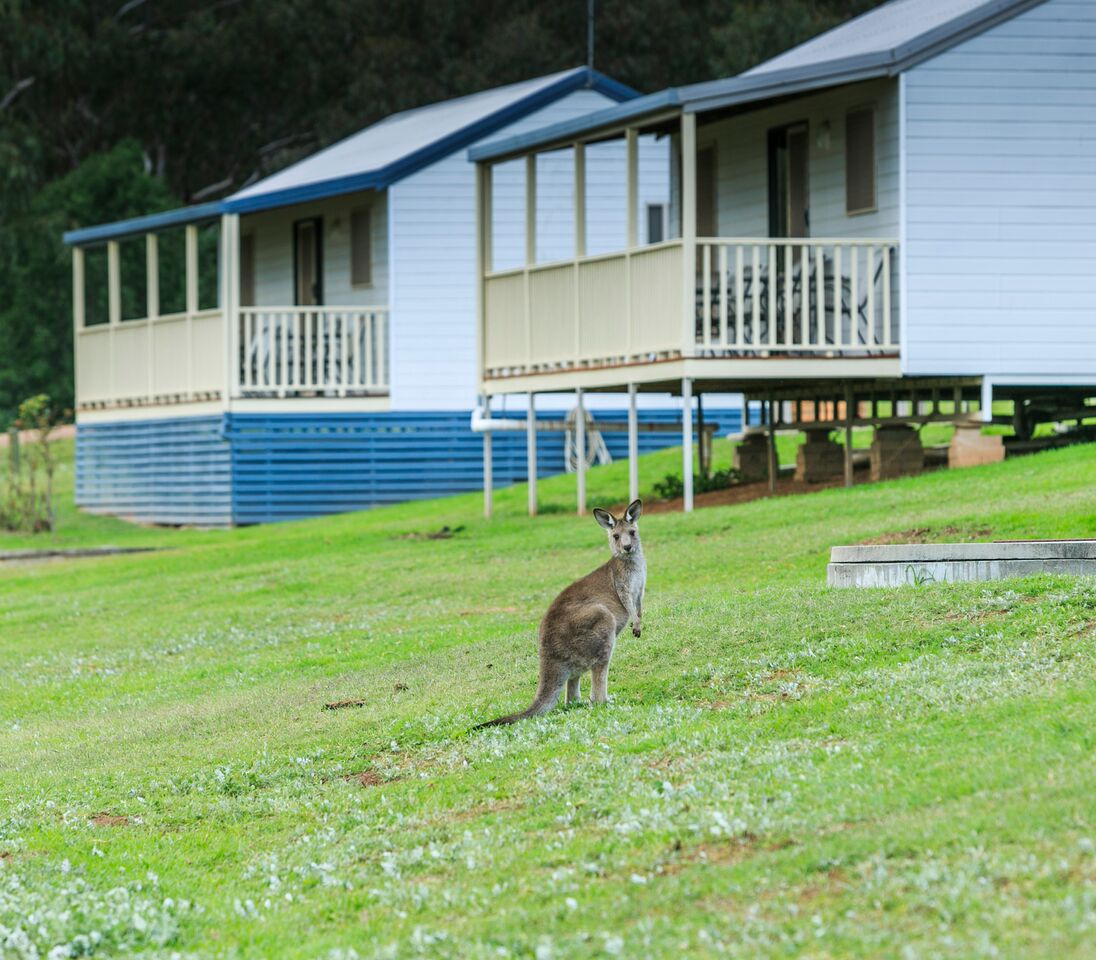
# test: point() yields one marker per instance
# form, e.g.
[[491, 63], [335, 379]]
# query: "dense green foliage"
[[114, 109], [784, 769]]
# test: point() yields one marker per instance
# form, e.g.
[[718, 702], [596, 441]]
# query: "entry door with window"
[[789, 182], [308, 262]]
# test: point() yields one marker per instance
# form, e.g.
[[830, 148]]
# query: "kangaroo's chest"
[[629, 582]]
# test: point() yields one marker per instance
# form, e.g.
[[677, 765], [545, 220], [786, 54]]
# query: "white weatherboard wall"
[[742, 151], [433, 262], [273, 244], [1001, 201]]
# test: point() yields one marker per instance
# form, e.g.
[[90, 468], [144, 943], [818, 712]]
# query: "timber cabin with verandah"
[[307, 345], [891, 223]]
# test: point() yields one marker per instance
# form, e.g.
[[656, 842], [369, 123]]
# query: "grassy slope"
[[784, 768]]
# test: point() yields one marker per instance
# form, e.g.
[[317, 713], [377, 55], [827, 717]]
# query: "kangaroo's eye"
[[616, 536]]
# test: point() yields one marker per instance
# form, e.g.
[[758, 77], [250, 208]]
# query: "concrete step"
[[895, 565]]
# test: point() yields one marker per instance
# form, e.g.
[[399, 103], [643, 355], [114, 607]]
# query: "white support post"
[[631, 194], [580, 200], [631, 185], [488, 472], [114, 307], [483, 264], [230, 302], [687, 443], [633, 445], [152, 308], [580, 451], [530, 248], [580, 241], [191, 301], [114, 284], [688, 232], [531, 452], [79, 314]]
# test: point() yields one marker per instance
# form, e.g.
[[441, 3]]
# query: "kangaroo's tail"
[[546, 698]]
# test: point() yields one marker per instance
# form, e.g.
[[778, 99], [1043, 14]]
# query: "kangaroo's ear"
[[635, 508], [605, 518]]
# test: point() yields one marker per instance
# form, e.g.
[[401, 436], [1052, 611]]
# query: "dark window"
[[656, 222], [860, 160]]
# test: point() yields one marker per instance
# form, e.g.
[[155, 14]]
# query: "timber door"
[[789, 182], [308, 262]]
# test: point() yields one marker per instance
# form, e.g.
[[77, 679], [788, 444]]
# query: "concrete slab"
[[895, 565]]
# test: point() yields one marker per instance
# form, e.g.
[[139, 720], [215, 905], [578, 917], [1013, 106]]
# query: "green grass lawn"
[[783, 770]]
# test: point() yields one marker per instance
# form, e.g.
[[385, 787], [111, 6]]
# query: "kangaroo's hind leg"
[[599, 690], [573, 689]]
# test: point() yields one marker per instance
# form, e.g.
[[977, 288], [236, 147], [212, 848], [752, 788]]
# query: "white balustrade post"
[[230, 302]]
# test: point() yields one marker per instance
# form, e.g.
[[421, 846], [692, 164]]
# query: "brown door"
[[789, 182], [308, 262]]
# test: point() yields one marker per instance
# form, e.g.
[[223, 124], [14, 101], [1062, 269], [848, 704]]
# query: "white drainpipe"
[[482, 423]]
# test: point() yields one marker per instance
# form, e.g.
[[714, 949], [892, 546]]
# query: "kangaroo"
[[578, 631]]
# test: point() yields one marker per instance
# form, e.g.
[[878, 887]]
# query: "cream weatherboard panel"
[[1000, 245]]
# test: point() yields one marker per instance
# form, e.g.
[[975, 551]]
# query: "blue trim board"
[[257, 468], [146, 224]]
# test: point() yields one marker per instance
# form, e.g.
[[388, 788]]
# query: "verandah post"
[[849, 403], [488, 472], [688, 233], [78, 315], [531, 452], [580, 451], [687, 443]]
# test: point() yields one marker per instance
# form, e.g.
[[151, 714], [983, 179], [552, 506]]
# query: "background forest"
[[116, 109]]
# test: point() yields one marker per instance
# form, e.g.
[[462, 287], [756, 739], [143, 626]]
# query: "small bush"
[[27, 504], [672, 486]]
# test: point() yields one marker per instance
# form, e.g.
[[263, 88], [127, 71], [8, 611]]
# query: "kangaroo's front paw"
[[635, 629]]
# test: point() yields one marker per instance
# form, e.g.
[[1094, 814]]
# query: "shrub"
[[27, 504], [672, 486]]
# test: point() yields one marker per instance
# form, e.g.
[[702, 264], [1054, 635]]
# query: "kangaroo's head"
[[623, 531]]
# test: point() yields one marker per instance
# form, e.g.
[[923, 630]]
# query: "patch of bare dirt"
[[367, 778], [343, 704], [104, 819], [445, 533], [929, 535]]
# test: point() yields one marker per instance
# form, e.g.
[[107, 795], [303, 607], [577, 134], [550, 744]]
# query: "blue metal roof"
[[404, 143], [146, 224], [883, 42], [380, 155]]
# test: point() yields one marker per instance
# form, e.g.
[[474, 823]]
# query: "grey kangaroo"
[[578, 631]]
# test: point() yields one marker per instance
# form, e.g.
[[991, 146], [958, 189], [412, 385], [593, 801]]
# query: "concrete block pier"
[[896, 565]]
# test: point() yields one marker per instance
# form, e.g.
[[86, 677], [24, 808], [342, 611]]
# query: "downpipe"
[[483, 422]]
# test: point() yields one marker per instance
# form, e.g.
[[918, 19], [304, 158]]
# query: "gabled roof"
[[382, 154], [881, 43], [399, 145]]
